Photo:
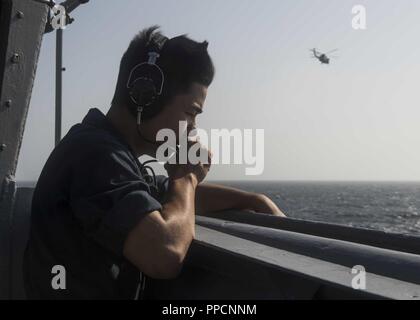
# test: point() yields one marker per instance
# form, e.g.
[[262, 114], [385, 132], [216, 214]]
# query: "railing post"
[[58, 84]]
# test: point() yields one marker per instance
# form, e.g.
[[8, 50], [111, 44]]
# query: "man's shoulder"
[[98, 159], [87, 141], [82, 135], [94, 148]]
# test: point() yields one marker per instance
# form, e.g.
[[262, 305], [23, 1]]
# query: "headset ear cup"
[[143, 92], [147, 85]]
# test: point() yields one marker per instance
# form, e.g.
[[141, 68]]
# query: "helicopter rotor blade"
[[331, 51]]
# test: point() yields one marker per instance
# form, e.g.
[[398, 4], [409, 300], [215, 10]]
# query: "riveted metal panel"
[[22, 25]]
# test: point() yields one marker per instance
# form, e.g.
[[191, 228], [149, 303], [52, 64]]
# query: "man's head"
[[188, 71]]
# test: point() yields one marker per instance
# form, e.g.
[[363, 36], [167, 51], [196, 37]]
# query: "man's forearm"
[[158, 244], [213, 197], [179, 212]]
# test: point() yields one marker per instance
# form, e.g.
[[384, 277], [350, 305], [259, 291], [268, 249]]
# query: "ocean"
[[387, 206]]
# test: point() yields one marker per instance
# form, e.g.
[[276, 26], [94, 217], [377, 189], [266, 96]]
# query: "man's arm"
[[214, 197], [159, 243]]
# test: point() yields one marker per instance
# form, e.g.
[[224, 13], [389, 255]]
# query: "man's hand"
[[213, 198], [199, 171], [263, 204]]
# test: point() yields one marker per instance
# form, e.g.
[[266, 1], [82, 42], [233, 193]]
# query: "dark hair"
[[182, 60]]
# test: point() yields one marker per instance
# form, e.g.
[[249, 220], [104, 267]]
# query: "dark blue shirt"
[[90, 194]]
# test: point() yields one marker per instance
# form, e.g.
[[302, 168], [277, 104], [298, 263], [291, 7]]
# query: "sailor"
[[103, 216]]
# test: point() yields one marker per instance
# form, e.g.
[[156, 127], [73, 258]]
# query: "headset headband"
[[138, 71]]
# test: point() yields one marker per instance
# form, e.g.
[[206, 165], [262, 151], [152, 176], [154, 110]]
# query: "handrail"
[[381, 239], [313, 269], [397, 265]]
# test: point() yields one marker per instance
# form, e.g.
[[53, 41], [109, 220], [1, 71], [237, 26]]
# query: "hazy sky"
[[356, 119]]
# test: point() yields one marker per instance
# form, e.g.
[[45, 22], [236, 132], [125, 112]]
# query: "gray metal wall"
[[22, 25]]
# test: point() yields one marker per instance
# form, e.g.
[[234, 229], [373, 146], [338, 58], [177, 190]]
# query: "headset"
[[146, 80], [145, 84]]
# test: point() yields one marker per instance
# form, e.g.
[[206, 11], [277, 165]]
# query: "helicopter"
[[322, 57]]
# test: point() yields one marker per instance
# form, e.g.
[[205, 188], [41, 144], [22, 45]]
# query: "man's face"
[[184, 107]]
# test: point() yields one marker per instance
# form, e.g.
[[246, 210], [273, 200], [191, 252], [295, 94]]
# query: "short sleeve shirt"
[[89, 196]]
